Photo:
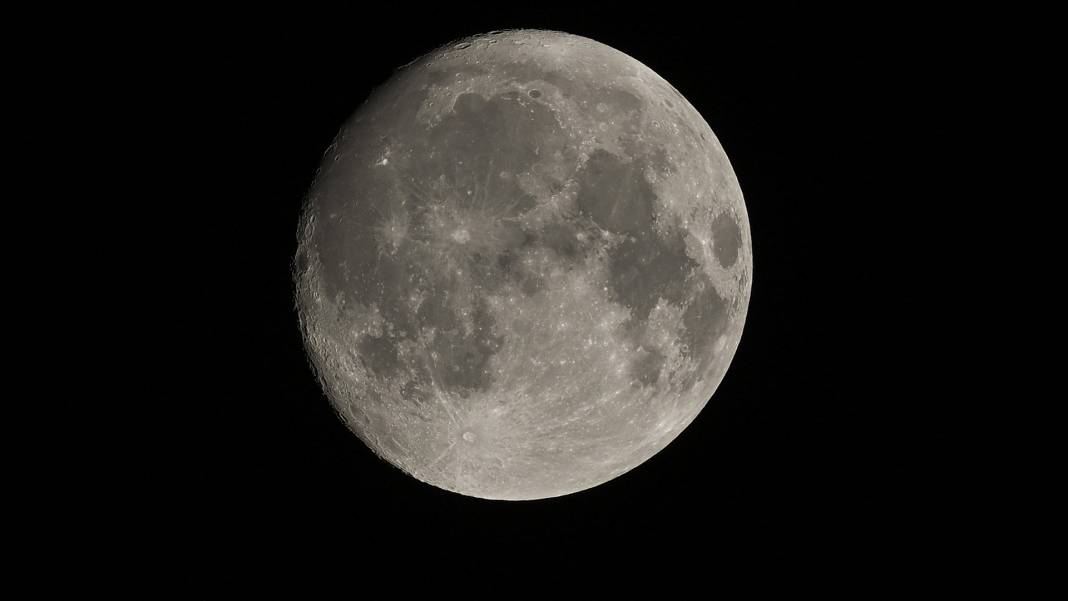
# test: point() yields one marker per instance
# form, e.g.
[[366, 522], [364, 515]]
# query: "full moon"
[[523, 267]]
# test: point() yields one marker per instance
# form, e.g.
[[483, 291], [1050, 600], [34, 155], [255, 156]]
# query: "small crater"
[[463, 46], [461, 236], [535, 93], [469, 436]]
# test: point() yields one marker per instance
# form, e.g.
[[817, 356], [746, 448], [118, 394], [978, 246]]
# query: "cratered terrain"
[[523, 267]]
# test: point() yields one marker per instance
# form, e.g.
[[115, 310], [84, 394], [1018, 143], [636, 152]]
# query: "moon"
[[523, 266]]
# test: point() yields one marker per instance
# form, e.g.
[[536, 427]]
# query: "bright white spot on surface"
[[462, 236], [469, 436]]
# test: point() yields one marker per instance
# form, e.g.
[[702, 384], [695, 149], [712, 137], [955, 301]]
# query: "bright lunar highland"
[[523, 267]]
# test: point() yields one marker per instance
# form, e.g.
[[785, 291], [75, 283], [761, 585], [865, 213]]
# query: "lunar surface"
[[523, 267]]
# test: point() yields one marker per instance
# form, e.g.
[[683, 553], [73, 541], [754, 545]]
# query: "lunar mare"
[[523, 267]]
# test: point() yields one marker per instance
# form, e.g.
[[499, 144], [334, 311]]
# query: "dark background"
[[793, 457]]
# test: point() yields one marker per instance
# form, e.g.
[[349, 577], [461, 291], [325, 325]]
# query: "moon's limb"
[[524, 266]]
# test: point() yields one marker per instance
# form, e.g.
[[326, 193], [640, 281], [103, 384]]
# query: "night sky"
[[789, 459]]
